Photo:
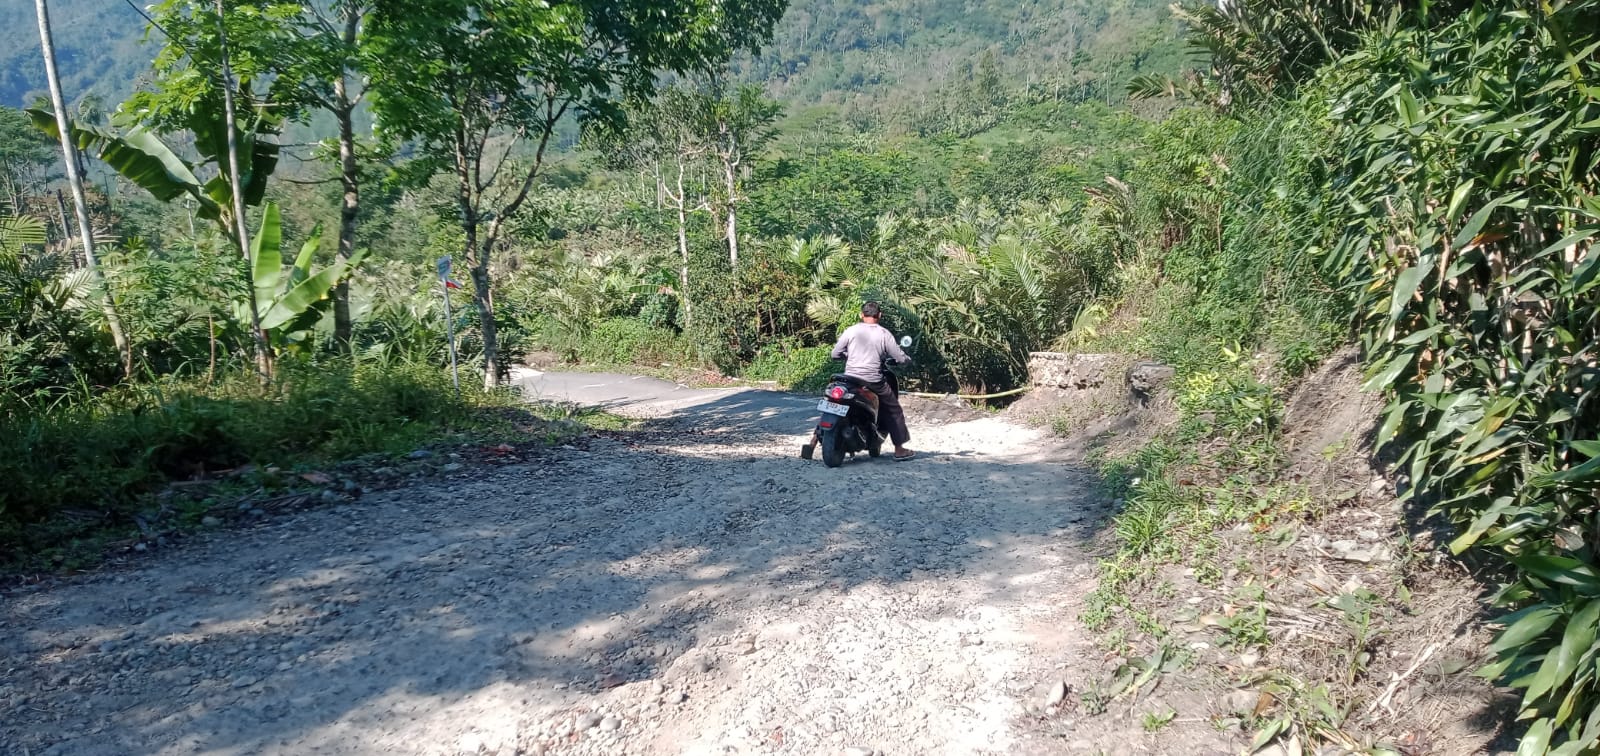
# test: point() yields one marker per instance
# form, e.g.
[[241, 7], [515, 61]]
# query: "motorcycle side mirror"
[[905, 342]]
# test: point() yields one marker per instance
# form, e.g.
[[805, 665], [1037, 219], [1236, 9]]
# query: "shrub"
[[794, 367], [629, 341], [1469, 247], [99, 459]]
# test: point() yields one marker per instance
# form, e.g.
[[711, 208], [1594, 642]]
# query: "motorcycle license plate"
[[833, 409]]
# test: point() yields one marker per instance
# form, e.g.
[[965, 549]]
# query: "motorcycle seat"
[[849, 379]]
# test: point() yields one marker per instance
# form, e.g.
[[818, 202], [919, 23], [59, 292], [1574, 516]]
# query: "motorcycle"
[[849, 422]]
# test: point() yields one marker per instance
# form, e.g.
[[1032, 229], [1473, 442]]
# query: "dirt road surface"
[[693, 588]]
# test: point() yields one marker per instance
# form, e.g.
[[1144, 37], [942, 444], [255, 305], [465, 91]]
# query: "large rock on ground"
[[1069, 372], [1144, 378]]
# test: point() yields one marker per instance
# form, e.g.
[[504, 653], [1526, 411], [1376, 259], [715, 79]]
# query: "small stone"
[[419, 454], [1352, 551], [210, 521], [452, 467], [658, 687], [858, 751], [1249, 659], [610, 724], [244, 682], [1369, 535], [1239, 702], [1058, 693], [108, 646], [588, 721]]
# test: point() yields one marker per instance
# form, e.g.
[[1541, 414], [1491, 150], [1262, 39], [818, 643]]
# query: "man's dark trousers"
[[891, 418]]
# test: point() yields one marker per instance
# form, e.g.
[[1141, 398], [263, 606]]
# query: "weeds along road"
[[692, 587]]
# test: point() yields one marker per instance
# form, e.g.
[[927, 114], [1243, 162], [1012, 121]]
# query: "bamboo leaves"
[[1473, 173]]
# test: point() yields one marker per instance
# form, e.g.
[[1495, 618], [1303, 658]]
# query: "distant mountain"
[[844, 51], [824, 52], [99, 50]]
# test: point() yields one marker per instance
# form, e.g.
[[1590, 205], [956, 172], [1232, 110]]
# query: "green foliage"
[[1228, 210], [628, 341], [1466, 200], [986, 290], [291, 304], [103, 456], [47, 338], [794, 367], [142, 158], [1256, 48]]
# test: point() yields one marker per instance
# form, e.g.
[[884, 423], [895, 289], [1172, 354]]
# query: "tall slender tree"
[[80, 203], [241, 227], [661, 138], [323, 55], [740, 124], [475, 79]]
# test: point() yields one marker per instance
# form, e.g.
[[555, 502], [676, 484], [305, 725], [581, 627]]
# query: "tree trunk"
[[263, 348], [683, 251], [350, 178], [75, 180], [730, 169], [348, 213], [484, 299]]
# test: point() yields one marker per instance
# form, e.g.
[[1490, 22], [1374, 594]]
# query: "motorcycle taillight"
[[836, 393]]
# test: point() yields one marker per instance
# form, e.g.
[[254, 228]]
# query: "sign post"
[[449, 320]]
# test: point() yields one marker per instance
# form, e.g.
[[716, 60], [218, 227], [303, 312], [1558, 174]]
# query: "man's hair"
[[871, 310]]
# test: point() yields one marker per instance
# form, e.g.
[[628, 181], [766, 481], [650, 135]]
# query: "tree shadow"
[[515, 594]]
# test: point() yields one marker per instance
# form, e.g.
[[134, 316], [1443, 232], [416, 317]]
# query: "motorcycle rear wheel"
[[832, 450]]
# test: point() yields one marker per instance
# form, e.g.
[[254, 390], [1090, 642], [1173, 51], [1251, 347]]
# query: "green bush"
[[100, 459], [794, 367], [1465, 194], [629, 341]]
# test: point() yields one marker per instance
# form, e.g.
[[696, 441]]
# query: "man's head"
[[870, 312]]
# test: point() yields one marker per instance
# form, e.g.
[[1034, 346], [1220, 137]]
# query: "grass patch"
[[796, 368], [630, 341], [83, 475]]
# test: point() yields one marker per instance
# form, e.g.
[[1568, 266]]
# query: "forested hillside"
[[874, 55], [1411, 184]]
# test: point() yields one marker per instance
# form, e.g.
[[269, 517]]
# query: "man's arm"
[[895, 352]]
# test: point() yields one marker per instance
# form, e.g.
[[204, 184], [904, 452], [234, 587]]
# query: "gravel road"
[[690, 588]]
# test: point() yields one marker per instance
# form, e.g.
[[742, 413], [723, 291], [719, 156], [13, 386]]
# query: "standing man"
[[863, 347]]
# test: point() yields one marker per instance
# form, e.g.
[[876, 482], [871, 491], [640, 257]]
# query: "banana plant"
[[291, 301], [142, 158]]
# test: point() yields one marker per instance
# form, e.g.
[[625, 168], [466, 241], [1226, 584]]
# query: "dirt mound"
[[1329, 423], [1324, 592]]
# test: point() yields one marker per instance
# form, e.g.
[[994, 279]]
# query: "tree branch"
[[553, 115]]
